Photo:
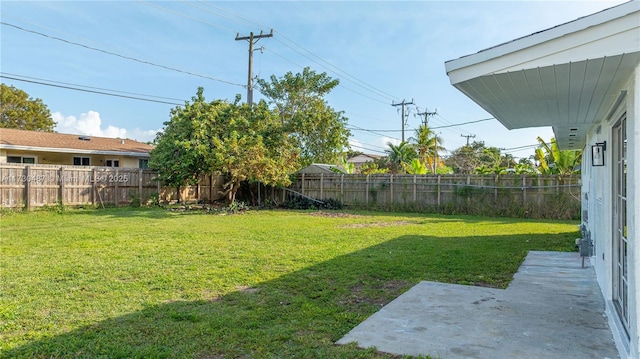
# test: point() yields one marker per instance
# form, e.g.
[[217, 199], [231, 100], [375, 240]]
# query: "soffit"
[[567, 77]]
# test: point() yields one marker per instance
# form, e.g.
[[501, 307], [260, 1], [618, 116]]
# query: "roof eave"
[[74, 151]]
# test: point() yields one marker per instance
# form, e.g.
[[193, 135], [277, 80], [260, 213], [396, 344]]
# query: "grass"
[[141, 283]]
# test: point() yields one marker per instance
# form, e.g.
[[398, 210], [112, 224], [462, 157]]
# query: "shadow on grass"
[[300, 314], [123, 212]]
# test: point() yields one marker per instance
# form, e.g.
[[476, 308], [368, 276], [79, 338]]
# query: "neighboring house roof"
[[569, 76], [13, 139], [363, 158], [317, 168]]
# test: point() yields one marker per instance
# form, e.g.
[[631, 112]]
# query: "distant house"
[[583, 79], [321, 168], [18, 146], [359, 160]]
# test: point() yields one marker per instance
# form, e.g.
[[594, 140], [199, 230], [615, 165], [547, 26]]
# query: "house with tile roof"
[[582, 78], [19, 146]]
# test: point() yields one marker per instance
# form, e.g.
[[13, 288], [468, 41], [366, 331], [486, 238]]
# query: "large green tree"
[[476, 157], [467, 158], [318, 130], [232, 139], [19, 110], [250, 143], [181, 149]]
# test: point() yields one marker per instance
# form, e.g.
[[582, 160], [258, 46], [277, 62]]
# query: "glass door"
[[620, 240]]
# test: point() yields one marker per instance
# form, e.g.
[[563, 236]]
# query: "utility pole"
[[253, 39], [403, 104], [426, 115], [468, 137]]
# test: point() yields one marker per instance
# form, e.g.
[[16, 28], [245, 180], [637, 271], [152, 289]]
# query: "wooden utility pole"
[[403, 104], [253, 39], [468, 137], [426, 115]]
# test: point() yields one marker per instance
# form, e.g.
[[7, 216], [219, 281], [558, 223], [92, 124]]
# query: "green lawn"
[[148, 283]]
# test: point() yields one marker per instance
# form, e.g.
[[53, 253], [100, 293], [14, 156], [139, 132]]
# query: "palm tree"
[[428, 145], [556, 161], [402, 153], [416, 167]]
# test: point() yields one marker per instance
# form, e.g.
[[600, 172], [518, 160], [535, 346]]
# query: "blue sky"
[[382, 52]]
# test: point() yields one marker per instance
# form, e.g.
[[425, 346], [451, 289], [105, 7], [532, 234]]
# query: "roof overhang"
[[74, 151], [568, 77]]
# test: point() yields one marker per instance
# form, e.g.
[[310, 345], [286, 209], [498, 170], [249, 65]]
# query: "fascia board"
[[74, 150], [621, 19]]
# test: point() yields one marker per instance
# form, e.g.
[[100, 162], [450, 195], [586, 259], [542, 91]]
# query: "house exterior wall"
[[598, 211], [633, 118], [67, 158]]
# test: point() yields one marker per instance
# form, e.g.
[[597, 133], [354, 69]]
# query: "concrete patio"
[[553, 308]]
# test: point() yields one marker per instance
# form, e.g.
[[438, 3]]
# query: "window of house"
[[81, 161], [144, 164], [21, 159], [112, 163]]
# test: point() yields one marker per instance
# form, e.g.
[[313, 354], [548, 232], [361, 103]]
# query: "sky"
[[153, 55]]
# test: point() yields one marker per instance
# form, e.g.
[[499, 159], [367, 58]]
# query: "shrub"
[[312, 203]]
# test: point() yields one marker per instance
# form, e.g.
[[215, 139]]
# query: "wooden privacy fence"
[[29, 186], [538, 196], [430, 190]]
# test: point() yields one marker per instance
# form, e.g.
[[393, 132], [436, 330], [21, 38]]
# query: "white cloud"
[[384, 141], [90, 124]]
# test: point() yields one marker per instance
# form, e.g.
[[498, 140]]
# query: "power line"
[[245, 21], [90, 91], [337, 70], [365, 148], [119, 55], [329, 66], [463, 123], [89, 87], [437, 127], [186, 16], [356, 128]]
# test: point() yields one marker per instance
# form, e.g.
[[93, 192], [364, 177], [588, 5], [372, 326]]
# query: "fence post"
[[115, 188], [302, 185], [210, 187], [438, 191], [391, 188], [342, 187], [94, 180], [415, 198], [495, 188], [158, 186], [366, 190], [198, 189], [27, 188], [61, 185], [524, 189], [140, 187], [321, 185]]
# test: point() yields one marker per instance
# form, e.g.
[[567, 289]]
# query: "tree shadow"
[[300, 314]]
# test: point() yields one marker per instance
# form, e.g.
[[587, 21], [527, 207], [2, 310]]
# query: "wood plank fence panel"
[[32, 186], [502, 194]]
